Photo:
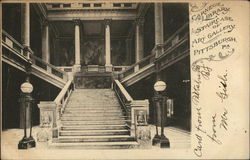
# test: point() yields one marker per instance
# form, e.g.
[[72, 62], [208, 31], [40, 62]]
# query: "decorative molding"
[[45, 22], [77, 21], [107, 22], [91, 15]]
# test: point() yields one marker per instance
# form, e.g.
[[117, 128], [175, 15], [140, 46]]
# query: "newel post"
[[48, 121], [139, 122]]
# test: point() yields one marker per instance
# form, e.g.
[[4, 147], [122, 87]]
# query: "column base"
[[77, 68], [109, 68], [156, 140], [164, 142], [26, 143]]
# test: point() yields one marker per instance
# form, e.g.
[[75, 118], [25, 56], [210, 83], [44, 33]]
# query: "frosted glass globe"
[[160, 86], [26, 87]]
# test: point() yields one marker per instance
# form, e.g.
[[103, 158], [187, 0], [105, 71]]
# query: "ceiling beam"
[[91, 15]]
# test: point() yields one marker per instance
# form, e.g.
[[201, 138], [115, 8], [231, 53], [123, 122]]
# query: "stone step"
[[107, 90], [98, 114], [89, 118], [94, 107], [93, 132], [109, 122], [101, 105], [94, 145], [87, 95], [94, 103], [94, 127], [79, 110], [110, 138]]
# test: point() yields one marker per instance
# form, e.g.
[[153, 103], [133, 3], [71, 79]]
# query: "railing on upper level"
[[15, 47], [51, 112], [9, 42], [131, 107], [65, 68], [119, 69], [174, 46], [49, 68]]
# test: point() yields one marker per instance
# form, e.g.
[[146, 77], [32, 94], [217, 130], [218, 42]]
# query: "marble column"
[[139, 39], [108, 64], [77, 66], [45, 42], [159, 39], [25, 28]]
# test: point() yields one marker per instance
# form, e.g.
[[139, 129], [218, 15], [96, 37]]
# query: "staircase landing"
[[92, 80]]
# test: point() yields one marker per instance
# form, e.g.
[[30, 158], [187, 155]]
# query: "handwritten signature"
[[223, 123], [223, 86]]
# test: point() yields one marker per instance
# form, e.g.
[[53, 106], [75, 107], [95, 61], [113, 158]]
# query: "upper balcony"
[[91, 6]]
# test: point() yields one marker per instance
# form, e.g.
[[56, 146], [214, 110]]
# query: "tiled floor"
[[179, 142]]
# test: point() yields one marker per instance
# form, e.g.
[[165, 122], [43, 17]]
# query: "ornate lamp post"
[[26, 102], [160, 111]]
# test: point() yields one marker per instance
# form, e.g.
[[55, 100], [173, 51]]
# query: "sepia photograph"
[[121, 79]]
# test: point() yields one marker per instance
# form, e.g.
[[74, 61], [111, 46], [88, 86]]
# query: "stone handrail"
[[51, 111], [19, 50], [169, 45], [131, 107], [137, 66], [13, 45], [63, 96], [65, 68], [49, 68], [119, 68]]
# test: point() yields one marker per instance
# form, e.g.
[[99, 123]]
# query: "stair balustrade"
[[17, 55], [137, 111], [51, 112], [174, 49], [50, 69], [14, 46], [65, 68]]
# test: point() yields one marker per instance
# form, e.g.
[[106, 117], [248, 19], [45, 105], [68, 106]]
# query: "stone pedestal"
[[48, 120], [108, 68], [76, 68], [143, 135]]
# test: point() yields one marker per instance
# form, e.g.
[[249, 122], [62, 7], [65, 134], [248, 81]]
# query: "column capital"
[[77, 21], [107, 21], [139, 21], [45, 22]]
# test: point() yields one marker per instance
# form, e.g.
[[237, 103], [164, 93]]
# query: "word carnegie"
[[204, 16], [215, 44]]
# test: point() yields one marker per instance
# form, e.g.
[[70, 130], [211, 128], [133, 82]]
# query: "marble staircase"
[[93, 119]]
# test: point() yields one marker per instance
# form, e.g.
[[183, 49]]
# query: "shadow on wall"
[[11, 82], [177, 89]]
